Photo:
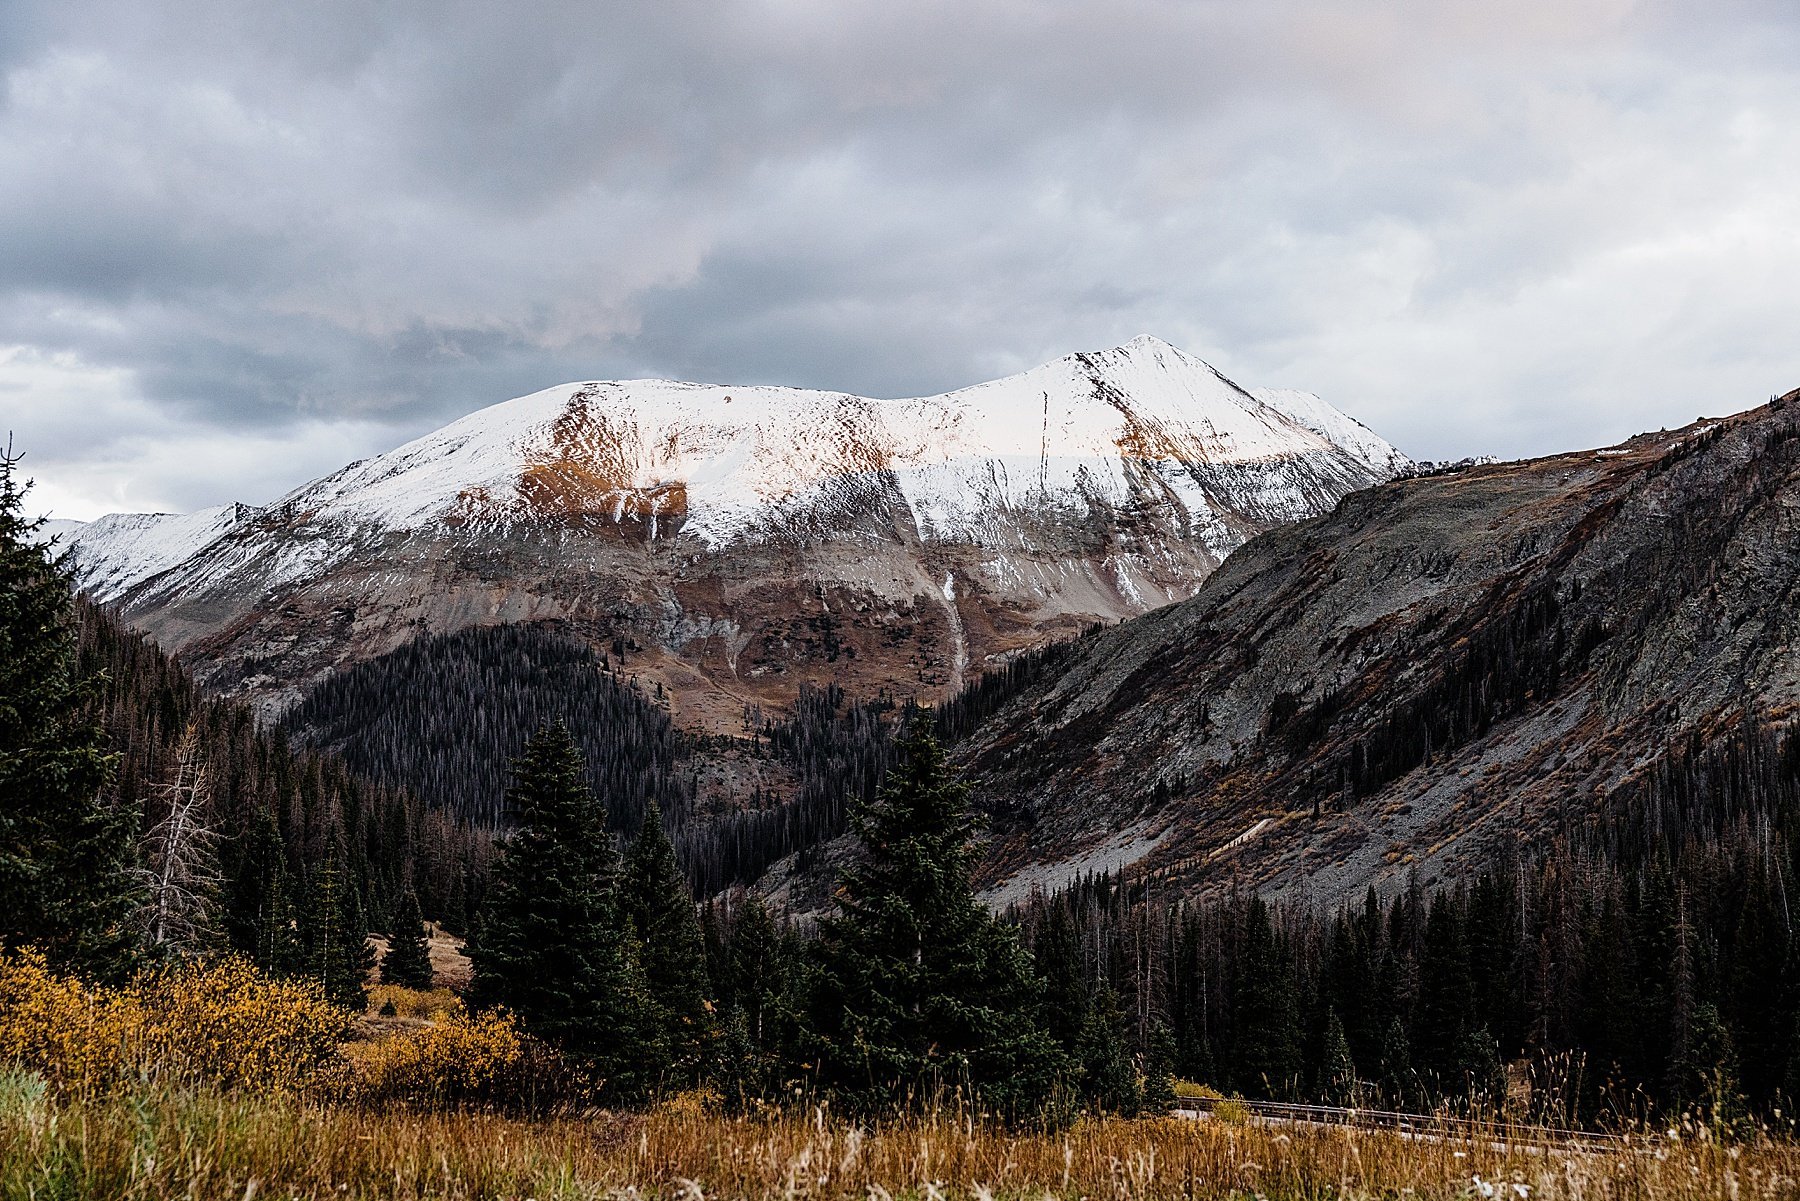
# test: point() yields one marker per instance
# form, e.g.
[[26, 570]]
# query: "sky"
[[244, 244]]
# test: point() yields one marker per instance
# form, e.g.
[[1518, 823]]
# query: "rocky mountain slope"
[[1440, 664], [727, 543]]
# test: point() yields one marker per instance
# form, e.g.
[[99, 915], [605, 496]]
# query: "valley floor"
[[203, 1145]]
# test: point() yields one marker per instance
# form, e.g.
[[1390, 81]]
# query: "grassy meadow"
[[170, 1143], [211, 1081]]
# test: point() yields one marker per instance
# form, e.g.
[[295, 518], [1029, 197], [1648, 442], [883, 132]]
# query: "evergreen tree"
[[1337, 1070], [1399, 1082], [1708, 1075], [65, 851], [755, 979], [336, 938], [408, 960], [1158, 1086], [1268, 1021], [552, 946], [260, 916], [1056, 953], [1446, 1001], [922, 991], [1108, 1077], [654, 897]]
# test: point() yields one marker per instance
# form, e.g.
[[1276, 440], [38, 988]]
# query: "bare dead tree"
[[181, 863]]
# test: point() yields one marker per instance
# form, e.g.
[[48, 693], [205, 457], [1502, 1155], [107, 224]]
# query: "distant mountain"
[[1478, 656], [727, 543]]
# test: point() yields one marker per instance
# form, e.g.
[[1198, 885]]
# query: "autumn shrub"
[[223, 1023], [426, 1004], [460, 1059]]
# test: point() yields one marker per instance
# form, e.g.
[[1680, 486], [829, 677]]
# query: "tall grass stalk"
[[164, 1142]]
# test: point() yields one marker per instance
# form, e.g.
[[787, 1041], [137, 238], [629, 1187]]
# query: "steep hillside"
[[730, 543], [1438, 664]]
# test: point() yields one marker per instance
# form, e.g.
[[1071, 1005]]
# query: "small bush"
[[222, 1023], [428, 1004], [693, 1103], [1189, 1090], [1231, 1111], [460, 1059]]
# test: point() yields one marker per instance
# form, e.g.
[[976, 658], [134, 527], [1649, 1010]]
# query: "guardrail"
[[1415, 1124]]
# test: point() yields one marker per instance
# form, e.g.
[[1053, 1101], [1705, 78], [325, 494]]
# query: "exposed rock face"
[[728, 543], [1437, 664]]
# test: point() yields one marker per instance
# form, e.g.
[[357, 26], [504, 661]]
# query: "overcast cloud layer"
[[242, 244]]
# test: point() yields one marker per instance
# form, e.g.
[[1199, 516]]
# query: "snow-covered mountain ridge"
[[1093, 487]]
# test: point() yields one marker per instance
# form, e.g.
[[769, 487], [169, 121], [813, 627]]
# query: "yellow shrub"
[[230, 1024], [692, 1103], [1231, 1111], [413, 1002], [461, 1058], [49, 1024], [224, 1023]]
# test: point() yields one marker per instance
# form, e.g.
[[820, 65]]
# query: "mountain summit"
[[733, 541]]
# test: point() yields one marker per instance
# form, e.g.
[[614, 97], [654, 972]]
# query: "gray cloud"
[[246, 242]]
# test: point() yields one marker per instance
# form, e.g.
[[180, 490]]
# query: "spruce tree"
[[1446, 1005], [336, 938], [759, 962], [920, 992], [1157, 1091], [1056, 954], [1268, 1021], [408, 960], [1337, 1070], [260, 914], [1108, 1077], [1399, 1082], [65, 849], [552, 947], [655, 900]]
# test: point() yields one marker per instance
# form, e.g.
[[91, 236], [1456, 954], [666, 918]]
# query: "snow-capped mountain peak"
[[1092, 487]]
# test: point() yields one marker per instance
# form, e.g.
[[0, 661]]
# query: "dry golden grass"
[[164, 1144]]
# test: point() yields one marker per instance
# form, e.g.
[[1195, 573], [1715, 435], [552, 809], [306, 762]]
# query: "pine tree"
[[65, 851], [922, 992], [408, 960], [1268, 1021], [1399, 1082], [1109, 1080], [655, 901], [336, 938], [1158, 1078], [755, 976], [1337, 1070], [260, 915], [1446, 1002], [552, 946], [1056, 953]]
